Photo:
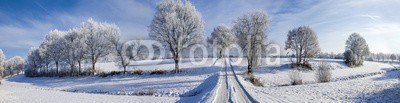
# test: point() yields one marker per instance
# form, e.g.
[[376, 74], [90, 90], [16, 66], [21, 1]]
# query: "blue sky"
[[24, 23]]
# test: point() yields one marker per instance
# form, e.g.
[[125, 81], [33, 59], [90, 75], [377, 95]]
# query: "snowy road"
[[229, 88]]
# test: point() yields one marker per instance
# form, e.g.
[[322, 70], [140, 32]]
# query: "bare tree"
[[250, 29], [177, 25], [98, 37], [221, 38], [356, 50], [304, 42]]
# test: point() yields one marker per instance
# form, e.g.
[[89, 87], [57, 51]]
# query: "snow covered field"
[[161, 86], [373, 82], [276, 75]]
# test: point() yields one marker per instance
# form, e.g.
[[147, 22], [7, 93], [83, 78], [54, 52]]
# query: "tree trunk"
[[57, 67], [79, 71], [300, 58], [176, 60], [93, 68], [220, 54], [249, 69], [47, 68], [124, 70], [249, 65], [297, 57], [176, 65], [304, 61], [72, 69], [93, 65]]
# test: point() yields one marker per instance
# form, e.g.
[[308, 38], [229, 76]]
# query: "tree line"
[[63, 52], [11, 66]]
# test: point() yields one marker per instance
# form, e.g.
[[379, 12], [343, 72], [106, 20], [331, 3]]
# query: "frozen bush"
[[302, 66], [158, 72], [138, 72], [295, 77], [323, 73], [255, 81]]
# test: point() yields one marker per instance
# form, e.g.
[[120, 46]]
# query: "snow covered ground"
[[373, 82], [276, 75], [26, 93], [169, 86]]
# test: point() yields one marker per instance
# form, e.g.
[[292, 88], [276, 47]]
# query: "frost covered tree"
[[250, 29], [54, 46], [393, 57], [33, 63], [122, 59], [398, 57], [51, 49], [380, 56], [177, 25], [74, 49], [356, 50], [221, 38], [2, 62], [41, 58], [14, 65], [64, 50], [45, 56], [98, 37], [80, 47], [304, 42]]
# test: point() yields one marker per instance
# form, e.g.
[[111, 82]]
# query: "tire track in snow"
[[230, 89]]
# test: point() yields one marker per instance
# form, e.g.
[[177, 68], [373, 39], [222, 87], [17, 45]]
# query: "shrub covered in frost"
[[295, 77], [323, 72]]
